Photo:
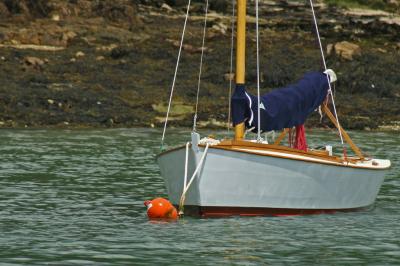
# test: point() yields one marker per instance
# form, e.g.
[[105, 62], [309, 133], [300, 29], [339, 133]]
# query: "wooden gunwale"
[[236, 145], [334, 161]]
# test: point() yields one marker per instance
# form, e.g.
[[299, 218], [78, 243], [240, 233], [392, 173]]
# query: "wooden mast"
[[240, 56]]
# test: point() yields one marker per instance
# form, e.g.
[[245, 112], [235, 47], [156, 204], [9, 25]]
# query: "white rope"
[[231, 64], [258, 79], [327, 76], [186, 188], [176, 71], [201, 66]]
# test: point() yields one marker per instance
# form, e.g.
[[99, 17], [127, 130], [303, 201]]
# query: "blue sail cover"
[[280, 108]]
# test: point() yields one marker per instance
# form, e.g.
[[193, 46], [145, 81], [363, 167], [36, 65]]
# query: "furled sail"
[[280, 108]]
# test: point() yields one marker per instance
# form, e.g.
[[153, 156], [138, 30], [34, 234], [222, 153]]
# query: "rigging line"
[[258, 78], [176, 71], [324, 61], [231, 65], [201, 66]]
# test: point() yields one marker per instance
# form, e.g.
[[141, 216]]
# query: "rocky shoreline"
[[110, 63]]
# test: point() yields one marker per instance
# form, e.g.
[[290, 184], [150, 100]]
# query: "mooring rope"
[[176, 71], [186, 187], [327, 76]]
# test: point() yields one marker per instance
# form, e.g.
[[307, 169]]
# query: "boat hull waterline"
[[239, 182]]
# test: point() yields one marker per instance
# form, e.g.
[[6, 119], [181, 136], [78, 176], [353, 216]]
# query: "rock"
[[362, 12], [347, 50], [116, 11], [33, 47], [192, 49], [211, 35], [67, 37], [72, 60], [110, 122], [33, 61], [119, 52], [55, 17], [391, 20], [176, 2], [100, 58], [19, 7], [79, 54], [197, 8], [166, 7], [338, 28], [59, 86], [47, 38], [4, 10], [50, 101], [107, 48], [221, 27], [178, 109], [294, 4], [34, 39], [187, 47], [212, 123], [220, 6], [28, 36], [329, 49], [229, 76]]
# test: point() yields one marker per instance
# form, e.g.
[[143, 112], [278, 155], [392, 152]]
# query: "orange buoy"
[[160, 208]]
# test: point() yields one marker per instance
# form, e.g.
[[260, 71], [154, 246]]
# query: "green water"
[[75, 197]]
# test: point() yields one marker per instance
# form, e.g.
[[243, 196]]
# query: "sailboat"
[[239, 176]]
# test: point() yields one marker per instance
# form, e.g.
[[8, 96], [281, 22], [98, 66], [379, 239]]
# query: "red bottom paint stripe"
[[205, 211]]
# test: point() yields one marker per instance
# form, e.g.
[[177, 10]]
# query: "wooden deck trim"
[[236, 145], [330, 161], [232, 144]]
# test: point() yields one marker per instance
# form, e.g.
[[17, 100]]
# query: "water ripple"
[[75, 197]]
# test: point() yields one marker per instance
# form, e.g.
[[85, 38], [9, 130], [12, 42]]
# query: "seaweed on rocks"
[[110, 63]]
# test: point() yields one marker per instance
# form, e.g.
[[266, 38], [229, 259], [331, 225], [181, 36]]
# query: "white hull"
[[241, 179]]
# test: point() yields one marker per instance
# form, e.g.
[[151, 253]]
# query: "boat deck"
[[317, 156]]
